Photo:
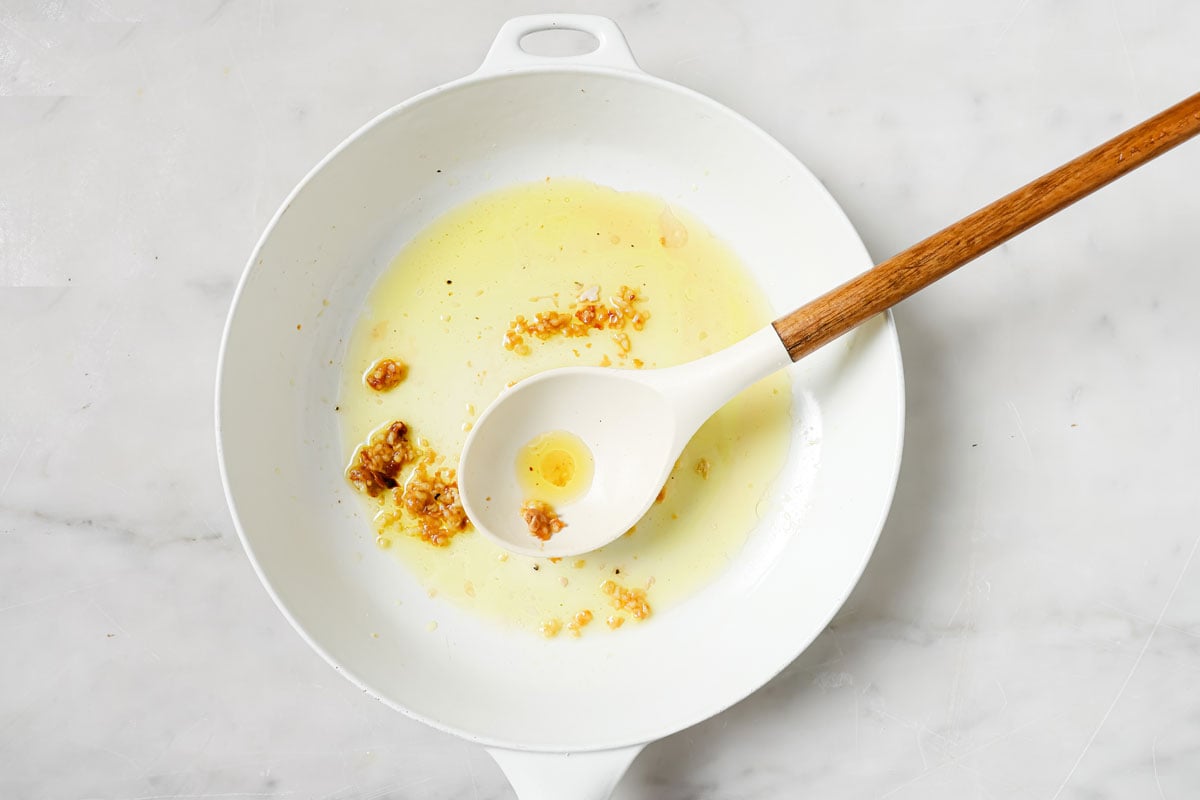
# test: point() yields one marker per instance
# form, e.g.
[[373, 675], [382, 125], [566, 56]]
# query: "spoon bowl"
[[624, 423], [634, 422]]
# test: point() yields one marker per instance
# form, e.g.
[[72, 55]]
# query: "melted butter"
[[555, 467], [442, 308]]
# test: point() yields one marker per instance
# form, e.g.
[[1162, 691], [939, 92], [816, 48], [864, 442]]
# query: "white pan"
[[564, 718]]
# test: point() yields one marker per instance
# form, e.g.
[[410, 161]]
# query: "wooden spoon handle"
[[880, 288]]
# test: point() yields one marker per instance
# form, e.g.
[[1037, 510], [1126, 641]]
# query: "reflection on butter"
[[555, 467]]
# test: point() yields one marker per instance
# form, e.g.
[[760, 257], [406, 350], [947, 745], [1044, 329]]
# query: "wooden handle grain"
[[880, 288]]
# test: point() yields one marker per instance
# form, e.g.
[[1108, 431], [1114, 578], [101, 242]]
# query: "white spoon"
[[637, 422]]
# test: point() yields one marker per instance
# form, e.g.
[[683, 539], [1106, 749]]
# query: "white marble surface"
[[1030, 624]]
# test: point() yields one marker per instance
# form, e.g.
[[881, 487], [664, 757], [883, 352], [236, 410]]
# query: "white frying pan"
[[563, 718]]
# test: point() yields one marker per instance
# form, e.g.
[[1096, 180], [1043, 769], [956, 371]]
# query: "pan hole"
[[559, 43]]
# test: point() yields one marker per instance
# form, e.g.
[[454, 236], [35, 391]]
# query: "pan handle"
[[506, 54], [564, 776]]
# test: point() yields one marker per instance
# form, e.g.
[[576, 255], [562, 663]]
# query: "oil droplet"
[[555, 467]]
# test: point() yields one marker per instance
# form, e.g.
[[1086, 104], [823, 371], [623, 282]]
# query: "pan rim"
[[475, 79]]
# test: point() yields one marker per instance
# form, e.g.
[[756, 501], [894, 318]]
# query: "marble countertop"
[[1029, 626]]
